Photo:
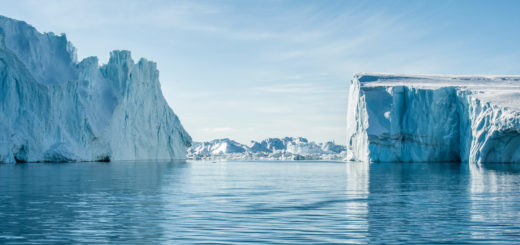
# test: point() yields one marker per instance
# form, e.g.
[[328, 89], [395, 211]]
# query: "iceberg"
[[217, 147], [287, 148], [433, 118], [54, 108]]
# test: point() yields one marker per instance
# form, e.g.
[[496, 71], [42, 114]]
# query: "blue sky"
[[256, 69]]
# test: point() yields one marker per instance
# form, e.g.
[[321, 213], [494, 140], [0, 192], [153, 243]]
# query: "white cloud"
[[301, 88], [216, 130]]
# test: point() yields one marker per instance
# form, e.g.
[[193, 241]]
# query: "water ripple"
[[258, 202]]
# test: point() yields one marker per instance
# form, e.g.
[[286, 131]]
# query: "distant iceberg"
[[53, 108], [288, 148], [415, 118]]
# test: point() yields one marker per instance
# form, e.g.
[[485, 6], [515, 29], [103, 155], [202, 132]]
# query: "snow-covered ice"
[[288, 148], [54, 108], [429, 118]]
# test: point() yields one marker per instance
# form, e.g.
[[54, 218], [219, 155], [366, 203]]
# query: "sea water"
[[259, 202]]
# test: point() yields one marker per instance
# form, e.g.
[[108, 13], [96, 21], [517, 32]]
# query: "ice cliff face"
[[53, 108], [400, 118], [288, 148]]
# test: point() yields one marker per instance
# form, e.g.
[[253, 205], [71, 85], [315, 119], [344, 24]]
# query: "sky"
[[249, 70]]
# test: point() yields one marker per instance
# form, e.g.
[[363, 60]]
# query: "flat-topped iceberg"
[[53, 108], [423, 118]]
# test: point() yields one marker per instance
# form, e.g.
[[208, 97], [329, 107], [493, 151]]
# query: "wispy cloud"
[[280, 67], [216, 130], [300, 88]]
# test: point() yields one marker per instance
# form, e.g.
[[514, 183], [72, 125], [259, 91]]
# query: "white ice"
[[54, 108], [288, 148], [433, 118]]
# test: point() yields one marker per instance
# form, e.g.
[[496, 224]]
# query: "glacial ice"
[[428, 118], [54, 108], [287, 148]]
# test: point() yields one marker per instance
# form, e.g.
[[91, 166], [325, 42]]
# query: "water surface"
[[265, 202]]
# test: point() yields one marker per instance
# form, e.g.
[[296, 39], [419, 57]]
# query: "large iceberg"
[[416, 118], [53, 108], [287, 148]]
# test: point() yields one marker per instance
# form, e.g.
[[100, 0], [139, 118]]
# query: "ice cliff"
[[53, 108], [414, 118], [287, 148]]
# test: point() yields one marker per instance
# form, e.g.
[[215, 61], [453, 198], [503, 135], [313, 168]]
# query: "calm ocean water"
[[263, 202]]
